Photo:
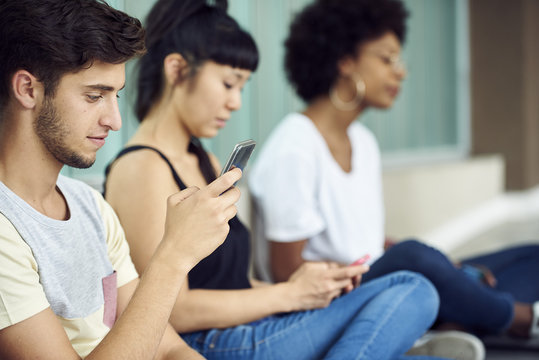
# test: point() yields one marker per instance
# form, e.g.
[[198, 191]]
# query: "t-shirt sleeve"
[[21, 293], [117, 246], [284, 187]]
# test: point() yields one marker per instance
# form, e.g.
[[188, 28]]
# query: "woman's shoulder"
[[292, 144], [139, 170], [140, 160], [361, 133], [296, 121], [295, 132]]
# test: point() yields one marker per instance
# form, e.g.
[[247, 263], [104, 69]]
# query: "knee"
[[416, 256], [417, 280], [411, 246], [429, 292], [428, 296], [429, 300], [425, 294]]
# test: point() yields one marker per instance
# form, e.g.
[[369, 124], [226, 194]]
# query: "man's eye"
[[94, 97], [228, 86]]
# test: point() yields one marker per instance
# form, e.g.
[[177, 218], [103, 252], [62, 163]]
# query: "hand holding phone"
[[356, 280], [239, 156]]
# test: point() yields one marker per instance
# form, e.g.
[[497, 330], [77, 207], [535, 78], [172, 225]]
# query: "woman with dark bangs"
[[189, 83]]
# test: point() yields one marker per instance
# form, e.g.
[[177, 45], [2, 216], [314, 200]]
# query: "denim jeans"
[[379, 320], [465, 300]]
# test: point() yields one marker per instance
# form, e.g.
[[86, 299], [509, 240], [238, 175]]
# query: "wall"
[[429, 120], [505, 85], [430, 201]]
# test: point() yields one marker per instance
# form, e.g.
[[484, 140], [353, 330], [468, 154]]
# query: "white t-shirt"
[[300, 192]]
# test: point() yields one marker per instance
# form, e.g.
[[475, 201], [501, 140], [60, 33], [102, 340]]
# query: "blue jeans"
[[465, 300], [378, 320]]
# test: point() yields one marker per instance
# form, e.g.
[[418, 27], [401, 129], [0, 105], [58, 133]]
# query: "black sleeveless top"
[[227, 267]]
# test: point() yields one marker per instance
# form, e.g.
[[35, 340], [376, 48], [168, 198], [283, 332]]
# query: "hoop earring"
[[352, 104]]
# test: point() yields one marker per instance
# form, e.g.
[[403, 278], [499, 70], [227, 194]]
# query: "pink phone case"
[[361, 260]]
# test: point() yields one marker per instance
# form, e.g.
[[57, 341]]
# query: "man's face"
[[73, 124]]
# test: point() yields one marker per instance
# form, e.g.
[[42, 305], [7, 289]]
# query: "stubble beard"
[[53, 132]]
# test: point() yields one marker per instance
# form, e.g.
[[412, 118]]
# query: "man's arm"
[[171, 346], [38, 337], [197, 223], [136, 335]]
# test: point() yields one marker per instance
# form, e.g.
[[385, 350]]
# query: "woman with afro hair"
[[317, 182]]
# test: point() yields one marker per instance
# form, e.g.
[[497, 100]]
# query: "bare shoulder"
[[137, 173]]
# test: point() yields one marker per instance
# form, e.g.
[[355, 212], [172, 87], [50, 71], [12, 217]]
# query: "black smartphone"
[[239, 156]]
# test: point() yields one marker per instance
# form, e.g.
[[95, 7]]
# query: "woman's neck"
[[163, 129], [328, 119]]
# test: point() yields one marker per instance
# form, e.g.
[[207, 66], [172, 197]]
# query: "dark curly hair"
[[329, 30], [199, 32], [50, 38]]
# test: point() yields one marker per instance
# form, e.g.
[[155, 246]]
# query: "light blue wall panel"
[[429, 119], [425, 117]]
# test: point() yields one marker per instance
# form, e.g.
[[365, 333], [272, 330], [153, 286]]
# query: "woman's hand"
[[488, 276], [315, 284]]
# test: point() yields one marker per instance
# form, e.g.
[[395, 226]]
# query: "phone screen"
[[239, 156]]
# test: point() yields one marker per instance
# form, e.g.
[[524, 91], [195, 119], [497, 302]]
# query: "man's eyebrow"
[[103, 87]]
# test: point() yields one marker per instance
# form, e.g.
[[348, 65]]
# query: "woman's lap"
[[380, 318]]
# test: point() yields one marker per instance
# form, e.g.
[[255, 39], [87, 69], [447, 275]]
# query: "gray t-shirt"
[[71, 255]]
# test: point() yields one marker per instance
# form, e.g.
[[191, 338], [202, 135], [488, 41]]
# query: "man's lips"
[[99, 140]]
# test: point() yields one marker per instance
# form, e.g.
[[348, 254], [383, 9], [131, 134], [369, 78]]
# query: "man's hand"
[[197, 219]]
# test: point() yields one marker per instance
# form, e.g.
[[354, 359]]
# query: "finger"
[[230, 196], [336, 294], [342, 284], [224, 182], [348, 272], [333, 265], [178, 197], [347, 289], [490, 279], [230, 212], [357, 281]]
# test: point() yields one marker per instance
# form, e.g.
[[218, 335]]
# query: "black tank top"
[[227, 267]]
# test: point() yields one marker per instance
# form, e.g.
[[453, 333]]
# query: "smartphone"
[[239, 156], [362, 260]]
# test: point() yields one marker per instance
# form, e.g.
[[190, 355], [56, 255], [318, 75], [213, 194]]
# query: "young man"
[[68, 288]]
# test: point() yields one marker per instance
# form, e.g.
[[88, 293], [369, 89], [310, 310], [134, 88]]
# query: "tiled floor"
[[501, 236]]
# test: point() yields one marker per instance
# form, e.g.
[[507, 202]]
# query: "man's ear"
[[27, 90], [175, 68]]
